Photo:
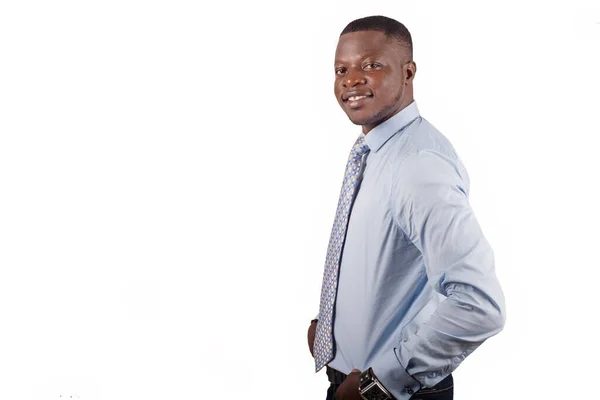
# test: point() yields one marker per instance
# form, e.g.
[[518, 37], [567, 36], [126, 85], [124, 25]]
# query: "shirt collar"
[[377, 137]]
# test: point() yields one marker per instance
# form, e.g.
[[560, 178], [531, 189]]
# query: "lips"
[[355, 98], [355, 95]]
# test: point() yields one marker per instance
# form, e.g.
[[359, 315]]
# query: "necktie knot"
[[360, 146]]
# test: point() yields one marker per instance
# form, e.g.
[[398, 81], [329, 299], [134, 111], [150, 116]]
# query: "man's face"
[[370, 78]]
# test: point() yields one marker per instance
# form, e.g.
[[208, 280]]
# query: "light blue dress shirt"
[[417, 287]]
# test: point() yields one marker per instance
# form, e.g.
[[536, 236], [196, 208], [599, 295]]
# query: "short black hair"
[[389, 26]]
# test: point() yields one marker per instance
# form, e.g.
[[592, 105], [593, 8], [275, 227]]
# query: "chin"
[[359, 115], [360, 119]]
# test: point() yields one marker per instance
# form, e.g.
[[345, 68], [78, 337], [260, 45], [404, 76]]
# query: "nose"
[[353, 78]]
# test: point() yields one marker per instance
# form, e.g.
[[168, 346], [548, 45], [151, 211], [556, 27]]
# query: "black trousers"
[[442, 391]]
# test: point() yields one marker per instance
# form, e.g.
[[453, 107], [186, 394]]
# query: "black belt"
[[337, 378]]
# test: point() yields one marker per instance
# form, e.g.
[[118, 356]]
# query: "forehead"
[[357, 45]]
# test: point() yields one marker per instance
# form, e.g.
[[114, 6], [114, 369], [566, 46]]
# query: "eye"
[[372, 66], [340, 71]]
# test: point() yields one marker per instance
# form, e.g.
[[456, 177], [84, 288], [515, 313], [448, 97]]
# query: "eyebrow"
[[366, 55]]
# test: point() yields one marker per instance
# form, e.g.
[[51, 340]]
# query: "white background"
[[169, 173]]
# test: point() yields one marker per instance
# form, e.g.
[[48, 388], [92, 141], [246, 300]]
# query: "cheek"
[[337, 89], [337, 92], [388, 92]]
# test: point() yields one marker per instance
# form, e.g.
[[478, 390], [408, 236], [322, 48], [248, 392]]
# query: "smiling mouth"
[[356, 101], [355, 98]]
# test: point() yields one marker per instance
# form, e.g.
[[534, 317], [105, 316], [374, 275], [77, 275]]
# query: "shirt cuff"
[[394, 377]]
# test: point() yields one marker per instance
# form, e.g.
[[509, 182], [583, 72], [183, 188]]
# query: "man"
[[414, 290]]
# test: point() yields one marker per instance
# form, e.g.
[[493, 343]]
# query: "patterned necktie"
[[323, 346]]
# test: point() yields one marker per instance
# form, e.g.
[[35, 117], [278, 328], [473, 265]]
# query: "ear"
[[410, 70]]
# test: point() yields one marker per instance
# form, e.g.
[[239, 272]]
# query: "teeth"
[[355, 98]]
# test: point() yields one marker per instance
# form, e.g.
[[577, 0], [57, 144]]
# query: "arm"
[[430, 205], [312, 331]]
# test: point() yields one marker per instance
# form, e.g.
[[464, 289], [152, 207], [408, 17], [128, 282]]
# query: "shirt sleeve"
[[430, 204]]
